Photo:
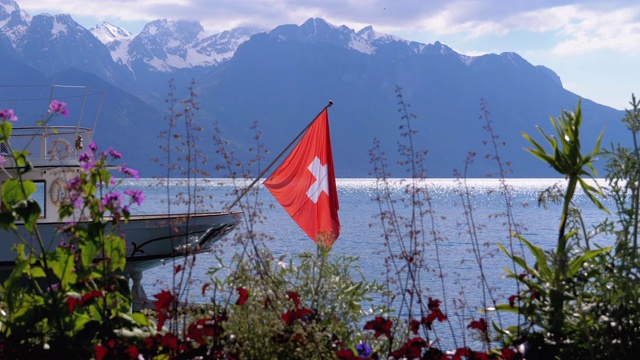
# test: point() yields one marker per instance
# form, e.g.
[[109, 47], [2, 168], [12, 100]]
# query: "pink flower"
[[7, 115], [113, 153], [58, 107], [128, 171], [135, 195], [111, 201]]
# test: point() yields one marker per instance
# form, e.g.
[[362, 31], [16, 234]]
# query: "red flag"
[[305, 184]]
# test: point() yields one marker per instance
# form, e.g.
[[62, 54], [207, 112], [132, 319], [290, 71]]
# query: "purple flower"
[[111, 201], [128, 171], [363, 350], [135, 195], [58, 107], [93, 147], [2, 161], [7, 115], [114, 154], [74, 182], [71, 223], [86, 161], [84, 157], [77, 203]]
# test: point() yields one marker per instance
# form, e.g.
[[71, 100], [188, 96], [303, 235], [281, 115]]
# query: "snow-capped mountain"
[[315, 30], [165, 45], [115, 38], [108, 33], [14, 22], [53, 43]]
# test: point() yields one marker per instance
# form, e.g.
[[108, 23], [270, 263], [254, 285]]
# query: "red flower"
[[508, 354], [169, 341], [434, 304], [295, 297], [512, 300], [72, 302], [346, 354], [243, 296], [480, 324], [165, 300], [88, 296], [100, 351], [163, 305], [204, 288], [152, 342], [414, 326], [462, 352], [435, 314], [412, 349], [133, 352], [177, 269], [469, 354], [201, 328], [380, 326], [297, 314], [522, 276]]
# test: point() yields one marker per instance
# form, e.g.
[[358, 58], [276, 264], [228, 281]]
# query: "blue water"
[[361, 233]]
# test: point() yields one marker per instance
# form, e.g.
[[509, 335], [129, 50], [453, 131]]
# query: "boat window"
[[39, 196]]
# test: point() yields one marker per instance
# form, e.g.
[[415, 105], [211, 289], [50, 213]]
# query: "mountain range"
[[280, 79]]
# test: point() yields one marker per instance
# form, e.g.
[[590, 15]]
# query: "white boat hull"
[[150, 239]]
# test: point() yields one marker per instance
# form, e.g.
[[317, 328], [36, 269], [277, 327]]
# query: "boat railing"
[[47, 145]]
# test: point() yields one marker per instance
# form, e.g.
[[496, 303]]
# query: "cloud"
[[574, 26], [590, 31]]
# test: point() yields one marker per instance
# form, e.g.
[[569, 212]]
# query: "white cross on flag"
[[305, 184]]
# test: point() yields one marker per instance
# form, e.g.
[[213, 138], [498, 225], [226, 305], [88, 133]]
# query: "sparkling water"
[[361, 232]]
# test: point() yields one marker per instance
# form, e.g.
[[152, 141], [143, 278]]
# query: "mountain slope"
[[282, 82]]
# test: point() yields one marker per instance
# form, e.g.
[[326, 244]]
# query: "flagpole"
[[246, 190]]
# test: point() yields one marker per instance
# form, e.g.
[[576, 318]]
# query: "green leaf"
[[88, 251], [21, 159], [95, 312], [137, 318], [576, 263], [14, 191], [80, 321], [29, 211], [61, 263], [518, 260], [7, 221], [541, 259], [508, 308], [5, 130], [114, 248]]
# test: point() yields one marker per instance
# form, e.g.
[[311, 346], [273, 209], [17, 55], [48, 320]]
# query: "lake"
[[361, 233]]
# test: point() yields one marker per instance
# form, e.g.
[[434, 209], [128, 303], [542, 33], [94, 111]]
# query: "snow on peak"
[[107, 33], [14, 21], [168, 45], [8, 6], [369, 34], [59, 27]]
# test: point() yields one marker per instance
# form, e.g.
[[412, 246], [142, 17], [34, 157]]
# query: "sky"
[[593, 45]]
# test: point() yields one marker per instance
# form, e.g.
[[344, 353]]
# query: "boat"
[[151, 239]]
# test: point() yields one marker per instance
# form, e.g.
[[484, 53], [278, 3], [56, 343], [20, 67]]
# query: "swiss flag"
[[305, 184]]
